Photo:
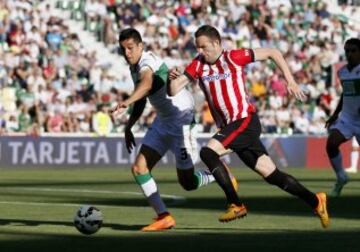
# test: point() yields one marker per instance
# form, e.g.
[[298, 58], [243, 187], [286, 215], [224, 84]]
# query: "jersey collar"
[[221, 54]]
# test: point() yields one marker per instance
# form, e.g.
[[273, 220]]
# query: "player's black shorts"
[[243, 137]]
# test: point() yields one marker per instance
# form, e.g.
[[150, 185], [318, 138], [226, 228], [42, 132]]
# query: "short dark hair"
[[208, 31], [130, 33], [353, 41]]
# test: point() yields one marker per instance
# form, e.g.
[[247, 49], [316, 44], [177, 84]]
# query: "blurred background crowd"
[[51, 82]]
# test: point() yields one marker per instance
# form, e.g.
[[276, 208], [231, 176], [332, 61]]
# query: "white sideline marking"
[[176, 199], [170, 196]]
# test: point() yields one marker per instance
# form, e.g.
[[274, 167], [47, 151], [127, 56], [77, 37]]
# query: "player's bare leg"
[[334, 141], [145, 161]]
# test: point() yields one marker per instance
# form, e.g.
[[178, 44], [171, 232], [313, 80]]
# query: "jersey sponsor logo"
[[216, 77]]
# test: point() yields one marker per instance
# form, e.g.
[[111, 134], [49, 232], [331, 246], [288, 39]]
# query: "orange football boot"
[[233, 212], [163, 222], [321, 210]]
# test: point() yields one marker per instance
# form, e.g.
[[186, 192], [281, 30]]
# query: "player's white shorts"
[[176, 136], [347, 128]]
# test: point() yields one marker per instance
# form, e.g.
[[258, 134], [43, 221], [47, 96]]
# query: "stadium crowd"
[[50, 83]]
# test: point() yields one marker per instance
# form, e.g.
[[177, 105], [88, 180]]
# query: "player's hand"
[[174, 73], [296, 91], [129, 140], [330, 121], [119, 109]]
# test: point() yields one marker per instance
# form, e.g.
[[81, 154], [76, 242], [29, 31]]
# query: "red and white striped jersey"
[[223, 84]]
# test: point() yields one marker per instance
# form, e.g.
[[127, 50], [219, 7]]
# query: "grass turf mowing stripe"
[[28, 203], [176, 200]]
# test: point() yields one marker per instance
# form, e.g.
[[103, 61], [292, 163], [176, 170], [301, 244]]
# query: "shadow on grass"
[[343, 207], [34, 223], [187, 240], [160, 181]]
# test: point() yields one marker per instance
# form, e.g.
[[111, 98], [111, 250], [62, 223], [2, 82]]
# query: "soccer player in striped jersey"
[[221, 76], [171, 130], [345, 121]]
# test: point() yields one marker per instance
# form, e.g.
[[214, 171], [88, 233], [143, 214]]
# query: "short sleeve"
[[148, 61], [242, 56], [191, 70]]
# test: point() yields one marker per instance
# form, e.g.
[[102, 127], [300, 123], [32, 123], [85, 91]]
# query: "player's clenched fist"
[[119, 109], [174, 73]]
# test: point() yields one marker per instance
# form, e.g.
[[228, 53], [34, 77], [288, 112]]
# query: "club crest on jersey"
[[216, 77]]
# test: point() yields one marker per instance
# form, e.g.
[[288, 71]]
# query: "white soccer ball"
[[88, 219]]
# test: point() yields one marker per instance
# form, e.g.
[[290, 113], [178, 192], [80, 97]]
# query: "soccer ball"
[[88, 219]]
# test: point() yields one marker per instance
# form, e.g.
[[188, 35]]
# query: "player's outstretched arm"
[[177, 84], [136, 112], [143, 88], [277, 57], [140, 92]]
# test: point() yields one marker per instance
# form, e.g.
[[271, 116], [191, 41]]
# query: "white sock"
[[336, 163], [204, 178], [354, 159], [149, 188]]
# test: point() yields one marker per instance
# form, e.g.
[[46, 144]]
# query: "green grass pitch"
[[37, 209]]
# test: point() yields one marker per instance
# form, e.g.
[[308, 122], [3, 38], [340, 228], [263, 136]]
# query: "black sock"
[[289, 184], [217, 168]]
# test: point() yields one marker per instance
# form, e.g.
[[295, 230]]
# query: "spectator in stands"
[[101, 121], [55, 122], [24, 119], [308, 34], [12, 125]]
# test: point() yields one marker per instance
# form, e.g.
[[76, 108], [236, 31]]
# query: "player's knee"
[[187, 179], [265, 166], [332, 148], [138, 170], [188, 185], [205, 153], [135, 169]]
